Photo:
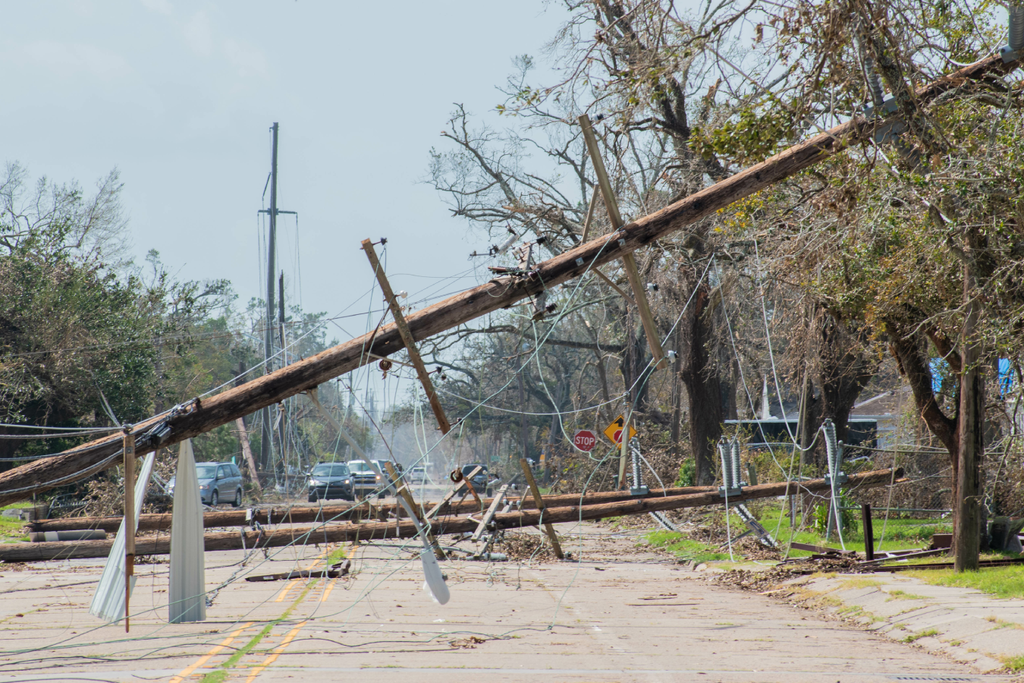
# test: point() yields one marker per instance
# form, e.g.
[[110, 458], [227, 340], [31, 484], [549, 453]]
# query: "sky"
[[180, 97]]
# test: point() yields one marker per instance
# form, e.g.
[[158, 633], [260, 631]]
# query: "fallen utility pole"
[[277, 537], [199, 416], [317, 513]]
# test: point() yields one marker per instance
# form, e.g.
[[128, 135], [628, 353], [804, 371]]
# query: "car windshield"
[[206, 471], [360, 466], [330, 470]]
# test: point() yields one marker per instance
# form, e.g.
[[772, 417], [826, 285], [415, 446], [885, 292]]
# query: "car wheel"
[[214, 498], [238, 499], [312, 499]]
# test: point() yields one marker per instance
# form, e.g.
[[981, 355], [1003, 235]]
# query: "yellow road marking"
[[328, 587], [284, 593], [275, 654], [203, 660]]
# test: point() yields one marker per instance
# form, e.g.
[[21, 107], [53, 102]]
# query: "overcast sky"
[[180, 97]]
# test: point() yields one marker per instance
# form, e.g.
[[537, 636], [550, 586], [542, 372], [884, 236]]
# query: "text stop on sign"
[[584, 440]]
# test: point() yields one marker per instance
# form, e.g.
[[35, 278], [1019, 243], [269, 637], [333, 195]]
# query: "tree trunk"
[[844, 371], [967, 520], [703, 388]]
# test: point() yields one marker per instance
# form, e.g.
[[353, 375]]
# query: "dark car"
[[330, 480], [218, 481], [387, 476], [479, 480]]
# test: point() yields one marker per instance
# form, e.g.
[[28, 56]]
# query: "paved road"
[[615, 615]]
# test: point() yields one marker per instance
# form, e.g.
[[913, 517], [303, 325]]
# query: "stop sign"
[[584, 440]]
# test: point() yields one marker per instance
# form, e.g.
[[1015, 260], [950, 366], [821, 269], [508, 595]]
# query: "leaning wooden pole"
[[407, 338], [197, 417]]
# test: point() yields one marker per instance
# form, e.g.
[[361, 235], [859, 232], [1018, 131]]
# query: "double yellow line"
[[276, 652], [204, 659]]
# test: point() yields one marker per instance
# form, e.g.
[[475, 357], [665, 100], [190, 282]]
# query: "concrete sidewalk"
[[967, 625]]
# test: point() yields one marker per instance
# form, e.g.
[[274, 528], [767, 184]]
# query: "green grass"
[[1014, 664], [903, 595], [922, 634], [337, 556], [12, 529], [221, 673], [1003, 582], [899, 533], [684, 547]]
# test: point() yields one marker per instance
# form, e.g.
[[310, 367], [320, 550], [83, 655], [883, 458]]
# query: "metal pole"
[[267, 439], [129, 520]]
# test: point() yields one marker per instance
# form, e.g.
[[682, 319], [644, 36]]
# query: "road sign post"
[[614, 430]]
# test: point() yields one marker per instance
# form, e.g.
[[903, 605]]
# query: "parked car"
[[364, 480], [384, 471], [417, 475], [218, 481], [480, 480], [330, 480]]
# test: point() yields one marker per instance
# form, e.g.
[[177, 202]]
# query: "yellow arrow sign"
[[614, 430]]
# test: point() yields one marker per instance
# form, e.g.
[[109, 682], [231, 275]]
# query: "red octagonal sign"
[[584, 440]]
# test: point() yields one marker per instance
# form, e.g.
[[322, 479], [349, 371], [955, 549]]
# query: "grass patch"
[[850, 584], [337, 556], [903, 595], [899, 533], [1013, 664], [12, 529], [221, 673], [684, 548], [913, 637], [1002, 582]]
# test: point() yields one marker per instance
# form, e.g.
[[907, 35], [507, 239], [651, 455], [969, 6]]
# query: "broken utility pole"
[[198, 416], [407, 338], [628, 262]]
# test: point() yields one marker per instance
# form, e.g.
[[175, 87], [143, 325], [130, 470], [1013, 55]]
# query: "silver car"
[[218, 482]]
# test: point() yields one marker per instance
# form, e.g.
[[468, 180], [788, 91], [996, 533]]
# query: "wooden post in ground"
[[415, 509], [129, 519], [548, 529], [623, 450], [650, 329], [869, 532], [407, 338]]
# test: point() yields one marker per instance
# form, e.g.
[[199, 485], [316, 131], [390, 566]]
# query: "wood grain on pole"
[[539, 502], [275, 537], [198, 416], [338, 512], [407, 338]]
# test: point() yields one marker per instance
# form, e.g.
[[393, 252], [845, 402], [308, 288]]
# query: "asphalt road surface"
[[613, 613]]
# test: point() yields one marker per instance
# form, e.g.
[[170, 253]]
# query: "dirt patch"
[[525, 547]]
